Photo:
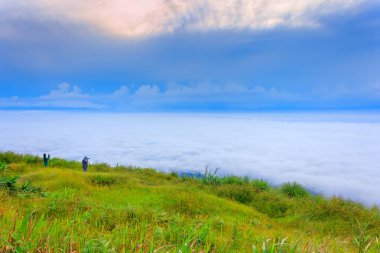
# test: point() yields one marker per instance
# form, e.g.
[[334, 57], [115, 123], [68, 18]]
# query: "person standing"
[[46, 160], [85, 163]]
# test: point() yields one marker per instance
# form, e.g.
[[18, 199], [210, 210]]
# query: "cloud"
[[130, 18], [147, 90], [199, 96], [333, 153], [64, 97], [65, 91], [122, 91]]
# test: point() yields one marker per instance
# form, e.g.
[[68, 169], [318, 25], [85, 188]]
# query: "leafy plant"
[[269, 246], [3, 166], [260, 184], [294, 190], [8, 183], [210, 176], [103, 180], [362, 236], [240, 193], [27, 187]]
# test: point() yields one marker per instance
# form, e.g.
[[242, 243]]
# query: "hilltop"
[[129, 209]]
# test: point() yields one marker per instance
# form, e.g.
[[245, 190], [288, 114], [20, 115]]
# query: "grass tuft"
[[294, 190]]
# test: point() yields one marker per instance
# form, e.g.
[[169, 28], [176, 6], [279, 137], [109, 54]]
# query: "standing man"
[[46, 160], [85, 163]]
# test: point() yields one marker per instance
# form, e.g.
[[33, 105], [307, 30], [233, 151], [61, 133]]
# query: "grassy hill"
[[127, 209]]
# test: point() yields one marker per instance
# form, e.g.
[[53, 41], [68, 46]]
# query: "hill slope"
[[125, 209]]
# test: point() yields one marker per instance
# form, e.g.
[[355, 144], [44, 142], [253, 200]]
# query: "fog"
[[329, 153]]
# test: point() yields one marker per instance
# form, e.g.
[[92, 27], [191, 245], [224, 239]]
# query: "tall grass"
[[294, 190], [126, 209]]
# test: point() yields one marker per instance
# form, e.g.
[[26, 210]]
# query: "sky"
[[329, 153], [199, 55]]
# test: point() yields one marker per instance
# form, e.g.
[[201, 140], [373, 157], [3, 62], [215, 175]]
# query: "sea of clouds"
[[330, 153]]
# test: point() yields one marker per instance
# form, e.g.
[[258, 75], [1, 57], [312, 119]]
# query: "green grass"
[[127, 209], [294, 190]]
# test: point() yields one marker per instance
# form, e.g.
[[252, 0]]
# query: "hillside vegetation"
[[128, 209]]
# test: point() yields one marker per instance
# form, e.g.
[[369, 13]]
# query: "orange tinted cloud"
[[130, 18]]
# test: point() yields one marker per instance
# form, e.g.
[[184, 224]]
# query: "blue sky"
[[195, 56]]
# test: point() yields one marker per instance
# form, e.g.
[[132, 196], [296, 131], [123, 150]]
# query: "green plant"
[[271, 203], [8, 183], [103, 180], [260, 184], [10, 157], [101, 167], [269, 246], [61, 163], [232, 180], [27, 187], [241, 193], [210, 177], [3, 166], [362, 236], [31, 159], [294, 190]]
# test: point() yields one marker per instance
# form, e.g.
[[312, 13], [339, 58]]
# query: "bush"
[[271, 203], [3, 166], [27, 187], [101, 167], [11, 157], [241, 193], [210, 177], [294, 190], [61, 163], [233, 180], [260, 184], [174, 174], [336, 208], [32, 159], [103, 180], [8, 183]]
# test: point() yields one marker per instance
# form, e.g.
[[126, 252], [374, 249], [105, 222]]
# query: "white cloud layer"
[[329, 153], [148, 96], [131, 18], [65, 91], [64, 96]]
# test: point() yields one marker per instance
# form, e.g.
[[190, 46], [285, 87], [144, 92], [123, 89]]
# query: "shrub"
[[271, 203], [336, 208], [32, 159], [8, 183], [103, 180], [210, 177], [232, 180], [3, 166], [61, 163], [241, 193], [101, 167], [11, 157], [294, 190], [174, 174], [27, 187], [260, 184]]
